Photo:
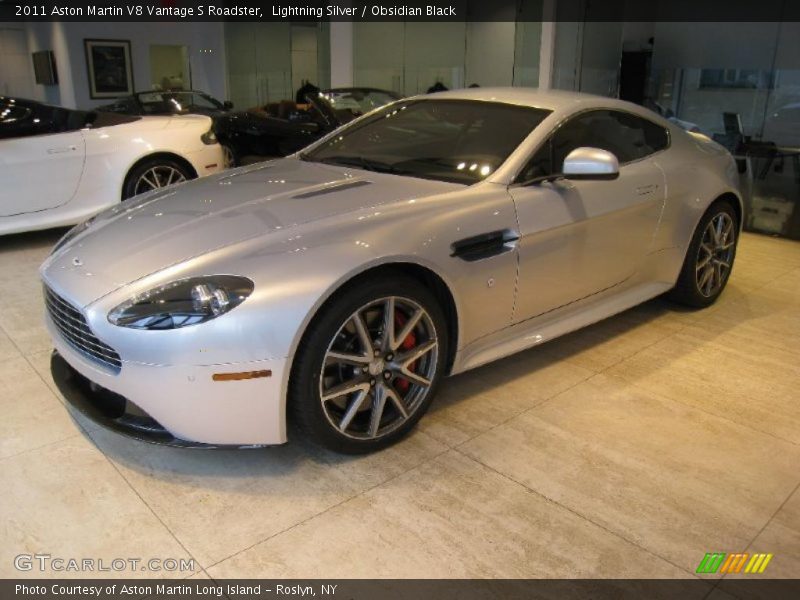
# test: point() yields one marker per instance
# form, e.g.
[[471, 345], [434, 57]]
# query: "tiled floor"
[[628, 449]]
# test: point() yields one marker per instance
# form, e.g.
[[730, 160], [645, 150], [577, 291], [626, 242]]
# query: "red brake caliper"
[[407, 344]]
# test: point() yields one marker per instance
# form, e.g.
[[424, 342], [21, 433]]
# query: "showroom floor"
[[631, 448]]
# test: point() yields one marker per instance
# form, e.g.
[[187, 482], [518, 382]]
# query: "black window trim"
[[574, 115]]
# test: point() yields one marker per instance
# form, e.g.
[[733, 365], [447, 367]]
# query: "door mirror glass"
[[227, 105], [590, 163]]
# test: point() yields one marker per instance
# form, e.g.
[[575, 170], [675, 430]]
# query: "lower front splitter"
[[116, 412]]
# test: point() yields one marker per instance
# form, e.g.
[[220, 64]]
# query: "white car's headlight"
[[182, 303]]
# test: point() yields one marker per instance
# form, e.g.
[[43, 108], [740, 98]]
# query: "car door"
[[40, 170], [581, 237]]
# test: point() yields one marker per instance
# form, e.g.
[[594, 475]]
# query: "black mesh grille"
[[75, 330]]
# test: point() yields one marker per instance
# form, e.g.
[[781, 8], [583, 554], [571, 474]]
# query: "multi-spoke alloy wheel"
[[378, 368], [715, 254], [369, 364], [158, 177], [153, 174], [709, 258]]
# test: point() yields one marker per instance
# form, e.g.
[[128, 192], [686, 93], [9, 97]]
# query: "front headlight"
[[182, 303], [72, 233]]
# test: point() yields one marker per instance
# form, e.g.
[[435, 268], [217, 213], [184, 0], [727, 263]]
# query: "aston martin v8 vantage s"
[[335, 288], [60, 166]]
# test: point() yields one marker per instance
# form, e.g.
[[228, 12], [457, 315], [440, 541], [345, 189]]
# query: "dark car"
[[274, 129], [280, 128]]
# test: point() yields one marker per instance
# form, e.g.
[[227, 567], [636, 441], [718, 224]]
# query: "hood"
[[164, 228]]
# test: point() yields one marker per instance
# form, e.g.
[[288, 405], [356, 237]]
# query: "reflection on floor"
[[629, 449]]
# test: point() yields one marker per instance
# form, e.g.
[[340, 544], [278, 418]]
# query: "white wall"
[[206, 55], [16, 74], [50, 36]]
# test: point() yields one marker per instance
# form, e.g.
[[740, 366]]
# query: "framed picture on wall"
[[108, 63]]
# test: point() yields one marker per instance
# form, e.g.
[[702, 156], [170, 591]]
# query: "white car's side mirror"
[[590, 163]]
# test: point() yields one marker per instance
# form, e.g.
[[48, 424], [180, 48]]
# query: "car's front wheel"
[[369, 365], [709, 259]]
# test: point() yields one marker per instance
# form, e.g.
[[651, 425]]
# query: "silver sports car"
[[335, 288]]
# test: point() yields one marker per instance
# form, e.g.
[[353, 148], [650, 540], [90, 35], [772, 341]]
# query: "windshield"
[[461, 141], [176, 102], [351, 103]]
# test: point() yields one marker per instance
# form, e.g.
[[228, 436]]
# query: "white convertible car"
[[61, 166], [338, 286]]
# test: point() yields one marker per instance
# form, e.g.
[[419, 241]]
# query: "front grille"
[[75, 330]]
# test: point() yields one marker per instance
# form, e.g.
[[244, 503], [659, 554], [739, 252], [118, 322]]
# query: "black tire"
[[232, 157], [688, 290], [332, 326], [133, 185]]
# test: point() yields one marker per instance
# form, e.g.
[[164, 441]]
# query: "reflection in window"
[[735, 78]]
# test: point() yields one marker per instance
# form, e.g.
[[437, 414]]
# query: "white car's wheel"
[[369, 366], [154, 174]]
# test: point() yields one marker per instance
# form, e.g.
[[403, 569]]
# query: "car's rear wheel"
[[154, 174], [709, 260], [369, 365]]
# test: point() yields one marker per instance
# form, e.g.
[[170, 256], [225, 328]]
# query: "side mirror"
[[590, 163], [227, 105]]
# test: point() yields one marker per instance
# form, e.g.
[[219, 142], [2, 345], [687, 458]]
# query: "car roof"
[[548, 99], [344, 90]]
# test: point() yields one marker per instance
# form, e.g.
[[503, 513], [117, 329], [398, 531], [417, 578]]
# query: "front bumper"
[[109, 409], [207, 160], [176, 405]]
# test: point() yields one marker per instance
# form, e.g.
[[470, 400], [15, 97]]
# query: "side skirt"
[[538, 330]]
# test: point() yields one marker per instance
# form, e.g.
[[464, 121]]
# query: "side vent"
[[484, 245]]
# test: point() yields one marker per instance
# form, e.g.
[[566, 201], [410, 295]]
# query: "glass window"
[[461, 141], [412, 57], [625, 135], [348, 103]]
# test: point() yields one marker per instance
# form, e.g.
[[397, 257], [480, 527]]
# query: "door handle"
[[62, 150]]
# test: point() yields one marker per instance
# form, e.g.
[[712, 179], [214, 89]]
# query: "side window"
[[638, 136], [625, 135]]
